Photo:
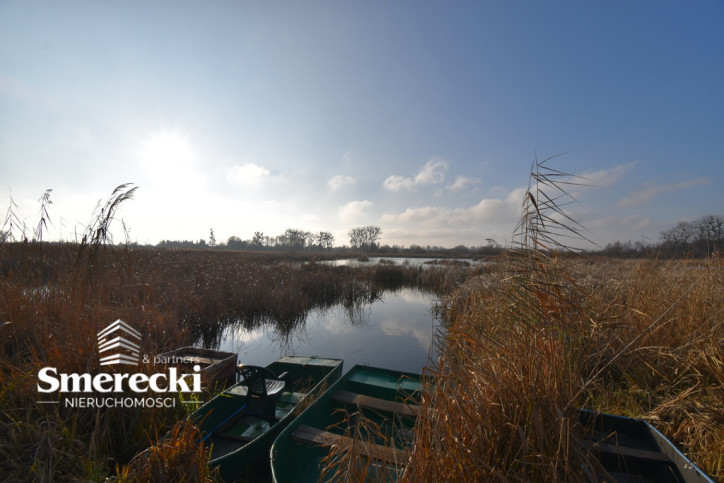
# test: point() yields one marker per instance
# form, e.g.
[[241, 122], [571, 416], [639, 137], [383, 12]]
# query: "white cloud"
[[353, 211], [640, 197], [433, 172], [338, 182], [492, 211], [606, 177], [398, 183], [461, 182], [249, 174]]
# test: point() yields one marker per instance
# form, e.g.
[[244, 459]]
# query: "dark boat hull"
[[633, 450], [242, 446], [387, 399]]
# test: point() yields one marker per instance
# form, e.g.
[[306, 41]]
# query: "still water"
[[412, 262], [395, 331]]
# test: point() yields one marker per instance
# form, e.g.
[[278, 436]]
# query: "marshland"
[[517, 344]]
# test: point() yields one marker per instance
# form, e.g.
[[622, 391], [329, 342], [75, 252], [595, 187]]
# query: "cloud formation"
[[433, 172], [462, 182], [250, 174], [606, 177], [353, 211], [489, 211], [640, 197], [338, 182]]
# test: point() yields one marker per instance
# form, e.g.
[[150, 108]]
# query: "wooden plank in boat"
[[308, 434], [629, 452], [377, 403]]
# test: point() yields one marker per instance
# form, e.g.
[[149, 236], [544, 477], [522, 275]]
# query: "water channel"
[[395, 331]]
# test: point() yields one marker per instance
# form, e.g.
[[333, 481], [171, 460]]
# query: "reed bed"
[[179, 457], [531, 339], [54, 298], [640, 339]]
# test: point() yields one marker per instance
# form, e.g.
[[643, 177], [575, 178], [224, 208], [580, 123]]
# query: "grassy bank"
[[526, 344], [538, 336]]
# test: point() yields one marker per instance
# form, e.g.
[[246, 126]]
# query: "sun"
[[167, 151]]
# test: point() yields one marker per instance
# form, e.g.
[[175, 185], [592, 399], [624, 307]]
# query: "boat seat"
[[314, 436], [263, 389], [402, 409]]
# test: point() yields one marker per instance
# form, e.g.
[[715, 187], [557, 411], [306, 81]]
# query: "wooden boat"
[[216, 366], [241, 423], [633, 450], [372, 408]]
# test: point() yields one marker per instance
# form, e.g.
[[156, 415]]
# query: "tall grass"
[[657, 350], [179, 457], [530, 340], [55, 297]]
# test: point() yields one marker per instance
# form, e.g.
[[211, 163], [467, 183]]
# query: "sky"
[[420, 117]]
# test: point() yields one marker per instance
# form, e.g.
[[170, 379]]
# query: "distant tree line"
[[363, 239], [701, 237], [694, 239], [293, 239]]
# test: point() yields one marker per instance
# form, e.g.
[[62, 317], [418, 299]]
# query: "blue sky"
[[420, 117]]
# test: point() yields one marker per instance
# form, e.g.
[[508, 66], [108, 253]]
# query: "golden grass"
[[534, 338], [180, 457], [641, 339], [527, 341], [56, 297]]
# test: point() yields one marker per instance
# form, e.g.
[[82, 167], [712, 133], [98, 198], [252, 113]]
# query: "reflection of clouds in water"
[[336, 321], [395, 331], [411, 296], [397, 327], [251, 336], [238, 339]]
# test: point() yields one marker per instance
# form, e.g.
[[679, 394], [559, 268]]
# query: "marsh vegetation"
[[524, 342], [56, 297]]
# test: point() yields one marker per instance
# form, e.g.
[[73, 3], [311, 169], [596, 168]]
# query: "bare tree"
[[325, 240], [294, 238], [364, 238], [258, 240]]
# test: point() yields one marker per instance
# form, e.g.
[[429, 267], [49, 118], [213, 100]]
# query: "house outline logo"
[[127, 350]]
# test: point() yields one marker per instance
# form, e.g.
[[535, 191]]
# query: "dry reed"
[[539, 335], [55, 297]]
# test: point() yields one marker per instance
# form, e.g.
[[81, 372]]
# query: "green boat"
[[370, 412], [631, 449], [241, 423]]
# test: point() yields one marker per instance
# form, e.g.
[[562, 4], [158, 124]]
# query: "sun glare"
[[167, 151]]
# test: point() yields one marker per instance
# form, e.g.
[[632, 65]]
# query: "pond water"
[[394, 331], [414, 262]]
